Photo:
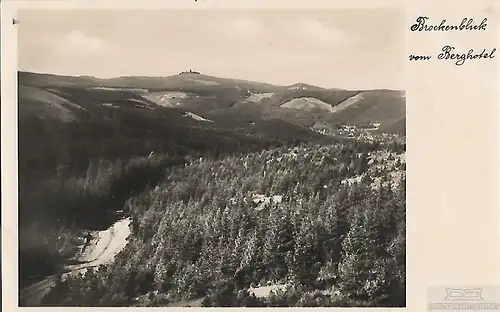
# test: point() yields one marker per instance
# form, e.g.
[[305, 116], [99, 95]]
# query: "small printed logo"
[[464, 298], [463, 294]]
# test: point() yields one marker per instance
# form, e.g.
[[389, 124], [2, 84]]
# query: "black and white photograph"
[[211, 157]]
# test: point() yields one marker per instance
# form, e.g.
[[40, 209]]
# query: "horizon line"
[[200, 73]]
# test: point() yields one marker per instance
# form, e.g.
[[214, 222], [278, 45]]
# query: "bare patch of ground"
[[265, 291], [258, 97], [308, 103], [262, 201], [349, 102], [167, 99], [45, 104], [196, 117], [110, 105]]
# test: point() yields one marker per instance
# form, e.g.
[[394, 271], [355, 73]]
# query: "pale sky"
[[334, 48]]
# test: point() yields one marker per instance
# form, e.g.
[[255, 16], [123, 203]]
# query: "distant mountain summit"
[[189, 72]]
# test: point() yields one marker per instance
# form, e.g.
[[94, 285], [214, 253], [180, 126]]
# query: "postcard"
[[250, 154]]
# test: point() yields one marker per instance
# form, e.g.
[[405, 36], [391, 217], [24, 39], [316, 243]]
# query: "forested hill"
[[328, 222], [222, 100]]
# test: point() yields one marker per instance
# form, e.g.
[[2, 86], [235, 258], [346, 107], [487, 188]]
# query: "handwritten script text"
[[461, 57], [467, 24]]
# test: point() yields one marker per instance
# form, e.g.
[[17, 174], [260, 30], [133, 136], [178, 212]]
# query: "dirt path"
[[265, 291], [102, 250]]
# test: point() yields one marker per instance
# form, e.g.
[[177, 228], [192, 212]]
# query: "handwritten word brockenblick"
[[461, 57], [467, 24]]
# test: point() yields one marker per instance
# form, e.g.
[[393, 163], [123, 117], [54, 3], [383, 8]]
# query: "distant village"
[[365, 132]]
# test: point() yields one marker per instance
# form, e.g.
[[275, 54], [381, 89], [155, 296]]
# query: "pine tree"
[[363, 269]]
